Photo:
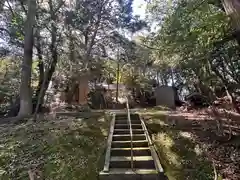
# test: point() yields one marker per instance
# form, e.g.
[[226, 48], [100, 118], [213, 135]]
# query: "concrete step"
[[126, 131], [123, 162], [136, 126], [136, 171], [141, 151], [126, 126], [121, 117], [121, 126], [128, 158], [127, 144], [127, 137], [128, 174], [139, 162], [134, 117], [126, 121]]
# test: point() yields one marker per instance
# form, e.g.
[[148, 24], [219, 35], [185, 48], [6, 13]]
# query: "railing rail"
[[130, 129], [109, 143]]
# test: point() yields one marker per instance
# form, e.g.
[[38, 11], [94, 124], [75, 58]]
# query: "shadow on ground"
[[182, 158], [69, 147]]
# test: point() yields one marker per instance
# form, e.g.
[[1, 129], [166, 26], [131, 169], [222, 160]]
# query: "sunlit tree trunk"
[[172, 77], [40, 63], [25, 87], [53, 48], [157, 74]]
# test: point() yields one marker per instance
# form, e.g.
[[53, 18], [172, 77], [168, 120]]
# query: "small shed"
[[165, 96]]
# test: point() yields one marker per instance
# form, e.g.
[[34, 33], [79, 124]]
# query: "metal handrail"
[[109, 144], [131, 134]]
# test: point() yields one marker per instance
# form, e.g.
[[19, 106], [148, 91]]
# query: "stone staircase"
[[130, 154]]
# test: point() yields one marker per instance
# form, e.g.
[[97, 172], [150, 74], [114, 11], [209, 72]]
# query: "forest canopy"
[[191, 45]]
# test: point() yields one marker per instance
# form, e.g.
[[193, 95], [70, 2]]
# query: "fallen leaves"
[[68, 147]]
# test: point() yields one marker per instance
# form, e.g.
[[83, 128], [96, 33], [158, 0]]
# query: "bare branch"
[[23, 8], [5, 30], [10, 8]]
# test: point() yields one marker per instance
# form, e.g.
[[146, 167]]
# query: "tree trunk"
[[163, 82], [232, 99], [158, 81], [226, 85], [108, 81], [1, 5], [25, 87], [117, 90], [73, 81], [232, 9], [172, 77], [40, 59], [90, 43], [40, 65], [53, 48]]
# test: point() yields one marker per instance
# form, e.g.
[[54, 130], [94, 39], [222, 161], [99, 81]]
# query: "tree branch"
[[153, 48], [10, 8], [23, 8], [7, 31]]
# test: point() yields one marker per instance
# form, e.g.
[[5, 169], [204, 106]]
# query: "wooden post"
[[83, 90]]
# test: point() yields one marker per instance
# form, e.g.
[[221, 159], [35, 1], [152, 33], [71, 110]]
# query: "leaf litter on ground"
[[68, 147]]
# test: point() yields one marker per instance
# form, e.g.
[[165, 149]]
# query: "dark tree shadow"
[[69, 147], [181, 157], [204, 134]]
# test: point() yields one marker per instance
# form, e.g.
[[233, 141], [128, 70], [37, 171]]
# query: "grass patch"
[[70, 147], [182, 158]]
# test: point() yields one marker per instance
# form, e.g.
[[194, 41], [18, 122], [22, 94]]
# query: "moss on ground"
[[181, 157], [69, 147]]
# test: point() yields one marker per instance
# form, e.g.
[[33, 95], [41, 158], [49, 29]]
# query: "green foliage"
[[67, 148], [9, 78], [181, 157], [70, 39], [183, 47], [16, 27]]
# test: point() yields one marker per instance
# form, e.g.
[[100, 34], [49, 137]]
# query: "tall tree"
[[25, 87], [194, 42]]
